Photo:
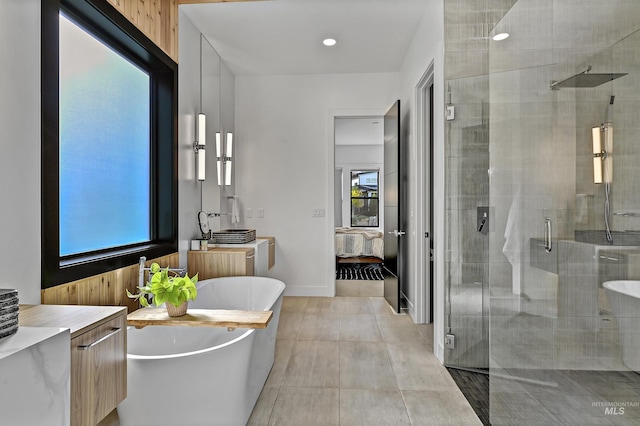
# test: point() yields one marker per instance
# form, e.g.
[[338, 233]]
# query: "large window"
[[364, 198], [109, 142], [104, 145]]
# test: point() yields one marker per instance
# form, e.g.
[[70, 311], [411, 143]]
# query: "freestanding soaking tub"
[[624, 296], [203, 375]]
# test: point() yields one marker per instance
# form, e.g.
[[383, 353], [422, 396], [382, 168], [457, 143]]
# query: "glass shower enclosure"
[[564, 173], [543, 207]]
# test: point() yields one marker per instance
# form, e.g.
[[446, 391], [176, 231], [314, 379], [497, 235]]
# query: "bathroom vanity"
[[98, 355], [221, 262], [227, 260]]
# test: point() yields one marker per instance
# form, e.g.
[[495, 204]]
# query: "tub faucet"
[[141, 279]]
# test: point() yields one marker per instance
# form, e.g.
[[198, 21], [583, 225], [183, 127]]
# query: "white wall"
[[20, 161], [427, 46], [285, 163]]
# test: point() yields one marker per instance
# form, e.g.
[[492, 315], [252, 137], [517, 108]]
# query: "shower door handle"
[[548, 246]]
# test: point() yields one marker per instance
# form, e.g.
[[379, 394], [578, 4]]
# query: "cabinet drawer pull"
[[114, 330]]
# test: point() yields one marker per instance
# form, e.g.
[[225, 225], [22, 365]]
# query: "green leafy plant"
[[166, 287]]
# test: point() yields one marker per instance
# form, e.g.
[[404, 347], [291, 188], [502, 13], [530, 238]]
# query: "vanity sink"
[[233, 236]]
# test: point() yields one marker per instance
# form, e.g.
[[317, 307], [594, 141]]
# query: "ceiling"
[[285, 36]]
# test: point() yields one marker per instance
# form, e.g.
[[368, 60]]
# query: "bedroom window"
[[364, 198]]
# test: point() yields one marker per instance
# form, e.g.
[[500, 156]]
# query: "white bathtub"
[[624, 297], [203, 375]]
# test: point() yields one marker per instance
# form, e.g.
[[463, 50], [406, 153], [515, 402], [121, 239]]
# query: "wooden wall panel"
[[108, 289], [157, 19]]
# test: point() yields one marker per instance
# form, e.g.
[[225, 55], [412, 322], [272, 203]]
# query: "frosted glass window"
[[105, 158]]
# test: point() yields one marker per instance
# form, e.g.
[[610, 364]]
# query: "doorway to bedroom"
[[359, 205]]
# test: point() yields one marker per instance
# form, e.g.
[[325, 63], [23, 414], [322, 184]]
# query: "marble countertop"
[[27, 337]]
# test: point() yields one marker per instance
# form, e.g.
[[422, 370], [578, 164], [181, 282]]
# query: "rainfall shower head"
[[586, 80]]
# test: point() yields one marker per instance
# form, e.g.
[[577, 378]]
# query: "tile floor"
[[351, 361]]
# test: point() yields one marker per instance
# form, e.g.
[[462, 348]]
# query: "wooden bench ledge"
[[231, 319]]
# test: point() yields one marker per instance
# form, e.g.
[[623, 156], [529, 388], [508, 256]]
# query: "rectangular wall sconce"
[[219, 156], [229, 159], [224, 156], [199, 146], [602, 140], [597, 154]]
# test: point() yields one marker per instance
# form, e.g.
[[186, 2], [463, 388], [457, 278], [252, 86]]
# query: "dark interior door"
[[394, 225]]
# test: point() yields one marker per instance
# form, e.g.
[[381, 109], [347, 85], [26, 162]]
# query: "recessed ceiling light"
[[501, 36], [329, 41]]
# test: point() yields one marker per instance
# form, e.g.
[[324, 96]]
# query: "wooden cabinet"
[[221, 262], [98, 355], [272, 250]]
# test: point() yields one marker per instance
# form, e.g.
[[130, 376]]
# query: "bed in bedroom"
[[355, 245]]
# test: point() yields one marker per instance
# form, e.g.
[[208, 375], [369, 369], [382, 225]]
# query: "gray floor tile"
[[294, 304], [284, 349], [305, 406], [439, 408], [289, 325], [351, 305], [368, 407], [319, 305], [313, 364], [365, 365], [359, 328], [380, 306], [418, 369], [262, 411], [324, 326], [399, 328]]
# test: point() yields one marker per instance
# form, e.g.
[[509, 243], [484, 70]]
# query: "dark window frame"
[[365, 170], [102, 20]]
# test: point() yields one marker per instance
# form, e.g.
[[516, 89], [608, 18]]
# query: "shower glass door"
[[467, 182], [559, 340]]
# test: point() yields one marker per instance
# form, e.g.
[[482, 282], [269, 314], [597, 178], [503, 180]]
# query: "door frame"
[[330, 231], [424, 198]]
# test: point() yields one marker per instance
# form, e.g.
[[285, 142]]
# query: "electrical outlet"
[[260, 212], [249, 212], [449, 341]]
